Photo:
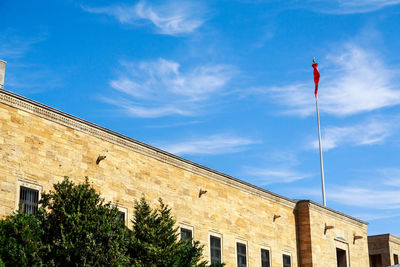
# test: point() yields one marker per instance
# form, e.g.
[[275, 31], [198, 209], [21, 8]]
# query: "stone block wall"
[[328, 231], [385, 247], [39, 147]]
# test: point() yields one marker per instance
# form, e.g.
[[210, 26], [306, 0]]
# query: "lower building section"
[[329, 238], [384, 250]]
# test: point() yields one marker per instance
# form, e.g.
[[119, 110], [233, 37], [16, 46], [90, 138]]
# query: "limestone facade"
[[324, 232], [40, 145], [384, 250]]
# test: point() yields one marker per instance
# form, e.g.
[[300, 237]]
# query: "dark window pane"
[[265, 258], [186, 234], [215, 249], [341, 257], [396, 259], [28, 200], [286, 261], [121, 216], [241, 255]]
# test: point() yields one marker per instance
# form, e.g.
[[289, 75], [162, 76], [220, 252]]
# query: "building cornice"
[[57, 116], [334, 213], [394, 239], [387, 237]]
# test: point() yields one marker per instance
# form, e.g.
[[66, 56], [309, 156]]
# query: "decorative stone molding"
[[65, 119], [336, 214], [394, 239]]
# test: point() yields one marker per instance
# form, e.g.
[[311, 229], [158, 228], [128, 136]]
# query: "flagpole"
[[320, 154]]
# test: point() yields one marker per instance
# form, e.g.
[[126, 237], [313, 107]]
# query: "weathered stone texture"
[[318, 246], [386, 246], [41, 146], [43, 152]]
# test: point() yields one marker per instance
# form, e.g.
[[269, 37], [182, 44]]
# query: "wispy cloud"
[[339, 7], [276, 167], [360, 6], [32, 78], [368, 133], [210, 145], [376, 216], [14, 47], [380, 193], [160, 88], [170, 125], [391, 176], [359, 81], [265, 176], [22, 73], [171, 17], [366, 197]]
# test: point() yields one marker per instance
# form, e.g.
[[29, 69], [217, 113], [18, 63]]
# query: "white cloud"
[[361, 6], [134, 110], [360, 82], [262, 177], [160, 88], [357, 195], [342, 7], [376, 215], [391, 177], [172, 17], [15, 47], [368, 133], [380, 193], [366, 197], [209, 145]]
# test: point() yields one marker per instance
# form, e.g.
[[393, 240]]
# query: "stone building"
[[238, 223], [383, 250]]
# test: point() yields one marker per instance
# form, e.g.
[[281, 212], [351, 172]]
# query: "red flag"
[[316, 77]]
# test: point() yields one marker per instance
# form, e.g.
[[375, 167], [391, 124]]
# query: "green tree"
[[81, 228], [155, 239], [75, 227], [21, 242]]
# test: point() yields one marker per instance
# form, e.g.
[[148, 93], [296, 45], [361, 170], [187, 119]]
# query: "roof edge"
[[159, 154], [332, 210]]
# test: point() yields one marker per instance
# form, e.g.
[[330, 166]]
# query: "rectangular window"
[[265, 258], [28, 199], [121, 216], [241, 255], [215, 249], [341, 257], [186, 234], [396, 259], [286, 260]]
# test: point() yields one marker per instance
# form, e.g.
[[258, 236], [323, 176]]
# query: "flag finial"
[[313, 61]]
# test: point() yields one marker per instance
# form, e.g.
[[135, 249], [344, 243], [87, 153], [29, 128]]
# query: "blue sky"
[[228, 84]]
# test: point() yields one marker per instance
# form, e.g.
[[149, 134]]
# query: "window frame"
[[218, 235], [185, 226], [270, 254], [395, 257], [27, 184], [286, 253], [339, 244], [243, 242], [125, 211]]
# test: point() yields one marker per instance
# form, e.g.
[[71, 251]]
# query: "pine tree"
[[155, 239]]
